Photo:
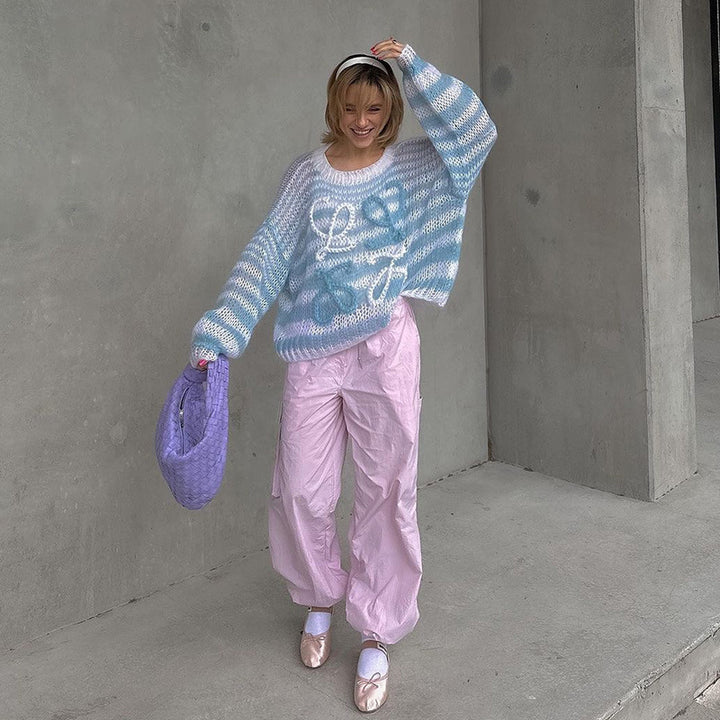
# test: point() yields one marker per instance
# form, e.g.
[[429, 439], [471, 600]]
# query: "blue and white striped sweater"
[[338, 247]]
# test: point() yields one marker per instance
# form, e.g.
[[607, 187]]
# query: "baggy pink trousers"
[[369, 392]]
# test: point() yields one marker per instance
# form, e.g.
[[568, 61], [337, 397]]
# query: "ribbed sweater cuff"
[[198, 352], [406, 58]]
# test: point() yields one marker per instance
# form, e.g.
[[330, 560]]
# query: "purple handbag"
[[192, 431]]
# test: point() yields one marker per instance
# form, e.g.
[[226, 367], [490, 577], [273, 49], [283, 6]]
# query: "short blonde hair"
[[369, 76]]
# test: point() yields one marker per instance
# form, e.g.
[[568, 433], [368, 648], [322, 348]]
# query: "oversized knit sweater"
[[338, 247]]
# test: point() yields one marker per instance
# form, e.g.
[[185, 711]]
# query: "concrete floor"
[[705, 707], [540, 599]]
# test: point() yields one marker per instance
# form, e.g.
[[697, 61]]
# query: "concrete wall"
[[587, 246], [701, 159], [142, 143], [665, 244]]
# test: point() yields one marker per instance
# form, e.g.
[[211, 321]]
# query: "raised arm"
[[451, 114]]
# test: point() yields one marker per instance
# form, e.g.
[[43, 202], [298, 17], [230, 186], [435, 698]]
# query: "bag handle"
[[217, 374]]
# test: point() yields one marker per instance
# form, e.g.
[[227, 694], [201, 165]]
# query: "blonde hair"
[[367, 76]]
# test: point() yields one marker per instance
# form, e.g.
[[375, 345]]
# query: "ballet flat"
[[371, 694], [314, 649]]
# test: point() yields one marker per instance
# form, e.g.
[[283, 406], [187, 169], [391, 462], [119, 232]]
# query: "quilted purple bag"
[[192, 431]]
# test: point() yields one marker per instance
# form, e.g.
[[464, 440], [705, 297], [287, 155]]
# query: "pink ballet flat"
[[371, 693], [314, 649]]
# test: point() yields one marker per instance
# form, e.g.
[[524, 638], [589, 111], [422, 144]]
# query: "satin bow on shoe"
[[314, 649], [371, 694]]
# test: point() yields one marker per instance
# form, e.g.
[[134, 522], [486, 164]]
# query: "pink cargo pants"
[[369, 392]]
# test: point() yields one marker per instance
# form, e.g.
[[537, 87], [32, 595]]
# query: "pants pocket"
[[419, 416], [275, 490]]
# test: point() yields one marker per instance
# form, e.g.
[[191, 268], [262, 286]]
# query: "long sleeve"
[[453, 117], [254, 283]]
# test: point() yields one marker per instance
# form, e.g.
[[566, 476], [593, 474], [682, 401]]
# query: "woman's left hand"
[[387, 49]]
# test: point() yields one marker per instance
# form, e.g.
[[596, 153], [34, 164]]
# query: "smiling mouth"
[[362, 134]]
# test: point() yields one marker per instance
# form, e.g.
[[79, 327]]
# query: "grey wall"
[[665, 244], [700, 159], [141, 146], [589, 352]]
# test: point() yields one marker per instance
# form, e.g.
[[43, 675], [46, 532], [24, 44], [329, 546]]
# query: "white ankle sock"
[[372, 660], [317, 622]]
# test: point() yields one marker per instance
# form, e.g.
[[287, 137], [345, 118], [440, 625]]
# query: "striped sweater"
[[338, 247]]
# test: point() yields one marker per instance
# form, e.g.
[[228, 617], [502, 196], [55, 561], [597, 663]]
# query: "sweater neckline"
[[352, 177]]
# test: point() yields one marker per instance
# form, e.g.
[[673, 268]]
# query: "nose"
[[362, 119]]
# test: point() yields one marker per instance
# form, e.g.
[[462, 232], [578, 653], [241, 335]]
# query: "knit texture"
[[338, 247]]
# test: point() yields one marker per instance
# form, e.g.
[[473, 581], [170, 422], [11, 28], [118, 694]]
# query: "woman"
[[357, 227]]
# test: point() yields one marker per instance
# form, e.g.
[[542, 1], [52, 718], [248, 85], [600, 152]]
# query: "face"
[[364, 115]]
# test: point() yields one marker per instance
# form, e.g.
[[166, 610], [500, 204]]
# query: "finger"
[[387, 54], [383, 52], [388, 49], [392, 41], [382, 44]]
